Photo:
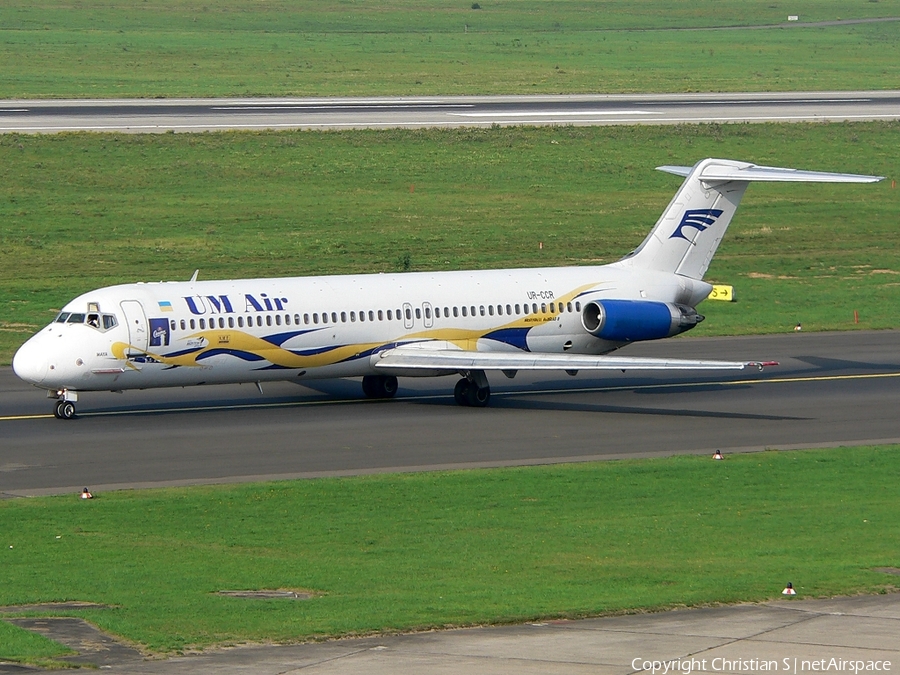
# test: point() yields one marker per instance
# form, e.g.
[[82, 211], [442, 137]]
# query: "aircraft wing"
[[462, 360]]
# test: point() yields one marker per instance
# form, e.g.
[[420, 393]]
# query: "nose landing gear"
[[65, 404], [65, 410]]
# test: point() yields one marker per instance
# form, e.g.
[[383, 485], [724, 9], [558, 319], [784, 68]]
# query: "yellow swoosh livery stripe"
[[240, 341]]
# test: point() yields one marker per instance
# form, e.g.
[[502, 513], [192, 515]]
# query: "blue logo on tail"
[[699, 219]]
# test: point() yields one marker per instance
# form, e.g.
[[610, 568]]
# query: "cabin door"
[[137, 325]]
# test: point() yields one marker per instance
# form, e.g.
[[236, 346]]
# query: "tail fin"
[[689, 231]]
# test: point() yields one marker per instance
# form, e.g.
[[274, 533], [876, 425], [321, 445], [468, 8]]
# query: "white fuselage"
[[254, 330]]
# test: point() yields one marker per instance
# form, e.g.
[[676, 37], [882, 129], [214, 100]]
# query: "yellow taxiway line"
[[531, 392]]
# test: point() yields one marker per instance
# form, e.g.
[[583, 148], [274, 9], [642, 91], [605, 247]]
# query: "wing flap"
[[461, 360]]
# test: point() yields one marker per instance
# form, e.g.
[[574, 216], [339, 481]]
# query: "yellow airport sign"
[[723, 293]]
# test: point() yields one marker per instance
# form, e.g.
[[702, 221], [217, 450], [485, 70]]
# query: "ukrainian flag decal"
[[165, 306]]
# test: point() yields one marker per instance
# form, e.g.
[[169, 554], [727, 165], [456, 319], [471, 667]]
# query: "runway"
[[830, 389], [194, 115]]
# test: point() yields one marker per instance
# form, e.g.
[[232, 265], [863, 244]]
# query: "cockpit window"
[[62, 317], [75, 318], [93, 320], [109, 321]]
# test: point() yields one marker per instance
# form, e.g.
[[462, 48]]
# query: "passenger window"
[[62, 317], [437, 312], [315, 317], [269, 320], [397, 314], [380, 315], [171, 323], [446, 312], [193, 325], [418, 313], [577, 306], [334, 317], [371, 315], [464, 310], [353, 316], [456, 311], [75, 318], [408, 314], [231, 322], [534, 308], [552, 308], [491, 310], [499, 310], [362, 315], [182, 323], [240, 322], [517, 309], [509, 310], [568, 306], [481, 310], [221, 322], [343, 317], [390, 315], [202, 323], [427, 312]]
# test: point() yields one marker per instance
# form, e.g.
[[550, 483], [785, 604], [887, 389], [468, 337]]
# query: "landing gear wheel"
[[478, 397], [461, 392], [65, 410], [379, 386]]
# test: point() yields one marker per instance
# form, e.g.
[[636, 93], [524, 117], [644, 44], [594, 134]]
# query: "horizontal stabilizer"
[[461, 360], [752, 172]]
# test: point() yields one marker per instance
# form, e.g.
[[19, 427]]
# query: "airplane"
[[414, 324]]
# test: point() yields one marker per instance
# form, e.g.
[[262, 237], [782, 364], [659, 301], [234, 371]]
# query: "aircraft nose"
[[30, 362]]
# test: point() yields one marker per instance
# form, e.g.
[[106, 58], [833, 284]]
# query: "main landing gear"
[[473, 390], [379, 386]]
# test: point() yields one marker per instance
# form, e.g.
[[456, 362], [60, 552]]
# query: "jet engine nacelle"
[[634, 320]]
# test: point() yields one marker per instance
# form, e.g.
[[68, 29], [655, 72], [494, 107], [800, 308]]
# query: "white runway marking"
[[557, 113]]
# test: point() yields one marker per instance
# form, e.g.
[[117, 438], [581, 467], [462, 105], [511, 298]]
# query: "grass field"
[[80, 211], [395, 552], [167, 48]]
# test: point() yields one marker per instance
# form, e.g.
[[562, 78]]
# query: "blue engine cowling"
[[634, 320]]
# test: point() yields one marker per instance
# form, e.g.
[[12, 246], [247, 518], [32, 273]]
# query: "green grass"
[[80, 211], [398, 552], [423, 47], [17, 644]]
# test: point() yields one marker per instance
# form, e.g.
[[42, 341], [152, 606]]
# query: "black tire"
[[461, 392], [57, 410], [379, 386], [389, 386], [66, 410], [478, 397]]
